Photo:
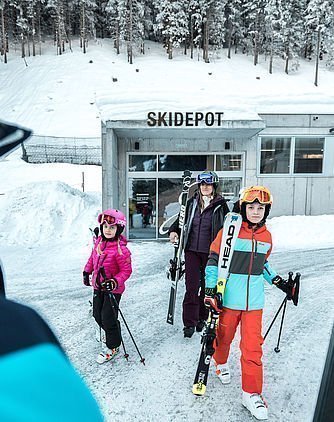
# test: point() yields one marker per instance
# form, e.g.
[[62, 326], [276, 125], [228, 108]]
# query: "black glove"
[[213, 300], [283, 285], [86, 278], [109, 284], [210, 291]]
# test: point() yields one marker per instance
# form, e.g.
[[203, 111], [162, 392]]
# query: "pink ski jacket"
[[115, 257]]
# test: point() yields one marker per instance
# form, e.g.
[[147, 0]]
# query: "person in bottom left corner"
[[110, 266]]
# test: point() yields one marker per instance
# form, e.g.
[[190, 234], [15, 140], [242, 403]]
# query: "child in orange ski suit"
[[243, 300]]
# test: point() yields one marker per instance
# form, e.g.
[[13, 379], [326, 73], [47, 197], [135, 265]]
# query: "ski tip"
[[199, 389], [170, 319]]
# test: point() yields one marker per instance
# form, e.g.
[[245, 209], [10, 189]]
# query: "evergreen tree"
[[320, 19], [172, 23], [195, 25], [56, 8], [3, 34], [101, 19], [217, 24], [292, 32], [87, 22], [254, 24], [233, 25], [273, 20]]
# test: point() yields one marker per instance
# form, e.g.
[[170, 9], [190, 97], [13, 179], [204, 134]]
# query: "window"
[[275, 155], [142, 215], [309, 154], [291, 155], [142, 162], [181, 162], [229, 162]]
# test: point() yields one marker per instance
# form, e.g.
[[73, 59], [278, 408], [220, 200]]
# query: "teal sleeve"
[[211, 276], [269, 273], [39, 384]]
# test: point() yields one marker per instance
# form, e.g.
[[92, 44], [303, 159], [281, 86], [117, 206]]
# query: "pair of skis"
[[176, 269], [232, 225]]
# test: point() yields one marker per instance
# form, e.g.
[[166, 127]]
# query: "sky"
[[45, 238]]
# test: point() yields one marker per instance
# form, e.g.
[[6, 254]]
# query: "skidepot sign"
[[186, 119]]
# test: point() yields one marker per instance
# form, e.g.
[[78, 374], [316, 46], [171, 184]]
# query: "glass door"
[[142, 208], [155, 184]]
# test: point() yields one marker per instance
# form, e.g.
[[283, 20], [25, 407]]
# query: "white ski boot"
[[255, 404], [107, 355], [223, 372]]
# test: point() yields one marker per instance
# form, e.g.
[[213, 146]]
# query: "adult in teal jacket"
[[37, 381]]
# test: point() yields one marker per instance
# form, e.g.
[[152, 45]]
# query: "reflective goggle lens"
[[205, 178], [108, 219], [261, 195]]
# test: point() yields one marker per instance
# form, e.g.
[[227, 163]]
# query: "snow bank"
[[302, 232], [38, 213]]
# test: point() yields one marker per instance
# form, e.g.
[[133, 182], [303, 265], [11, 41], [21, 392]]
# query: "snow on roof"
[[135, 106]]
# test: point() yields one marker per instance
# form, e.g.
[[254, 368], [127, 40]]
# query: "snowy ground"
[[58, 95], [45, 240], [44, 243]]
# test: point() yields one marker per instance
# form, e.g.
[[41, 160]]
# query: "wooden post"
[[83, 181]]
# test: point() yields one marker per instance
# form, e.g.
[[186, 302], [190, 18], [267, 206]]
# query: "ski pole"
[[274, 319], [126, 355], [114, 305], [277, 349], [142, 359], [292, 294]]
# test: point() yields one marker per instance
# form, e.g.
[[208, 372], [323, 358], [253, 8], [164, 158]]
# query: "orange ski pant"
[[250, 345]]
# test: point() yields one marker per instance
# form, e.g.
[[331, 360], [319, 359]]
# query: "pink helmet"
[[113, 217]]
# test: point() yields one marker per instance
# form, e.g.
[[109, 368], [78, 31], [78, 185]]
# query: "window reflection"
[[142, 214], [168, 201], [181, 162], [229, 162], [309, 154], [275, 155], [142, 162]]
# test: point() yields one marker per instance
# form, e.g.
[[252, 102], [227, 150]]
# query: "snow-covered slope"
[[58, 95], [45, 242]]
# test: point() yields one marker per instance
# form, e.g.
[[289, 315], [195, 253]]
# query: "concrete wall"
[[293, 194], [300, 194], [110, 170]]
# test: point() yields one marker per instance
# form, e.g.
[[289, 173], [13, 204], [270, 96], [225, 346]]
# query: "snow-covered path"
[[49, 279]]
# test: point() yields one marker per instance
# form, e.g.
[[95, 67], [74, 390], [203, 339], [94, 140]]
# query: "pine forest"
[[283, 31]]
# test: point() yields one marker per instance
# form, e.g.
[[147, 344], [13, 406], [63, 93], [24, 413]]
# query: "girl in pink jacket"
[[110, 266]]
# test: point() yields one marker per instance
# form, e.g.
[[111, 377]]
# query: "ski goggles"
[[206, 178], [108, 219], [257, 193]]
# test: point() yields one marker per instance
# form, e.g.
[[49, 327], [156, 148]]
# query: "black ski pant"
[[105, 313], [194, 309]]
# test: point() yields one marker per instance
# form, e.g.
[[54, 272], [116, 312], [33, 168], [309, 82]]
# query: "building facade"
[[142, 162]]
